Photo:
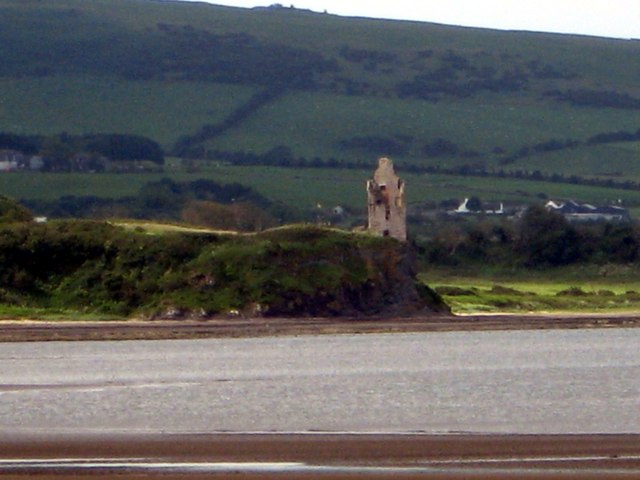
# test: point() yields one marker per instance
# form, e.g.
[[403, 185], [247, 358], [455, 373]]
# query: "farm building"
[[584, 212]]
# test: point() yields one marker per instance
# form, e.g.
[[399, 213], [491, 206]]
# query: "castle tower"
[[387, 207]]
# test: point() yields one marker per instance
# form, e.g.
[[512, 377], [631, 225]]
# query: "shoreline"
[[29, 330], [299, 455]]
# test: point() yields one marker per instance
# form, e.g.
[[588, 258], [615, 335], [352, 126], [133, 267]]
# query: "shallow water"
[[558, 381]]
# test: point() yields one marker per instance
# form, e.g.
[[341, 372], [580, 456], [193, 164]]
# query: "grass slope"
[[313, 124], [95, 104], [145, 67]]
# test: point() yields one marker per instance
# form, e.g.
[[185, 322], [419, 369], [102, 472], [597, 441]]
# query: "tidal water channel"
[[555, 381]]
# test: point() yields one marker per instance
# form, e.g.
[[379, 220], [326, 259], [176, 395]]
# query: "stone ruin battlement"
[[386, 202]]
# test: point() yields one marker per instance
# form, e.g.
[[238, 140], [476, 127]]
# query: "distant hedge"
[[113, 146]]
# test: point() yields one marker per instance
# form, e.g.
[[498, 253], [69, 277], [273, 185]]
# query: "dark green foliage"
[[21, 143], [11, 211], [235, 58], [124, 147], [89, 265], [70, 206], [431, 297], [455, 291], [474, 204], [376, 145], [161, 200], [539, 239], [597, 98], [620, 243], [188, 145], [293, 271], [58, 149], [440, 147], [502, 290], [370, 59], [458, 78], [612, 137], [572, 292], [100, 45], [546, 238], [31, 255]]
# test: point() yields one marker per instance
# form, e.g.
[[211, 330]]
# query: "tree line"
[[283, 156], [60, 152], [539, 239], [200, 202], [191, 145]]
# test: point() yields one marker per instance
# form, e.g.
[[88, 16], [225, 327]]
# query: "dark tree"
[[547, 238]]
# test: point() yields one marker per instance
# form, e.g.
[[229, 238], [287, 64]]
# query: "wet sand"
[[457, 456], [396, 456], [24, 330]]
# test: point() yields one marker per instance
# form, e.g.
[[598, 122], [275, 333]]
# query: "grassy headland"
[[98, 268], [297, 106]]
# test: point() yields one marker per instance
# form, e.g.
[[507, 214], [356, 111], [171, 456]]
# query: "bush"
[[572, 292], [455, 291], [11, 211]]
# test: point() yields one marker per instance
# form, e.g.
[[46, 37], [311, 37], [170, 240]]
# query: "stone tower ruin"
[[387, 207]]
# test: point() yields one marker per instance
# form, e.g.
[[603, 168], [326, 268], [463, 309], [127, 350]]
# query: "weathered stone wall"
[[386, 202]]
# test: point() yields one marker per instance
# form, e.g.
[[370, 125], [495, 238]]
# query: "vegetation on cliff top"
[[292, 271], [11, 211]]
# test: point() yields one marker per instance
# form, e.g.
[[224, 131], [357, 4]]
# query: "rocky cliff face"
[[350, 275]]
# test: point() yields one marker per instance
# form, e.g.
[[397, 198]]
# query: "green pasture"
[[161, 110], [13, 312], [327, 33], [583, 288], [91, 98], [313, 124], [305, 188], [616, 161], [308, 187]]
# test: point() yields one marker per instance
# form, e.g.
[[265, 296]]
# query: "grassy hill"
[[94, 267], [207, 80]]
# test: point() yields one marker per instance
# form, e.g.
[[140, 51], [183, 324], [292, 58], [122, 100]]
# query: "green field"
[[616, 161], [584, 288], [313, 124], [157, 69], [306, 188], [161, 110]]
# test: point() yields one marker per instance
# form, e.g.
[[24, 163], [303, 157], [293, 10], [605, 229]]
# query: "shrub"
[[11, 211], [572, 292]]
